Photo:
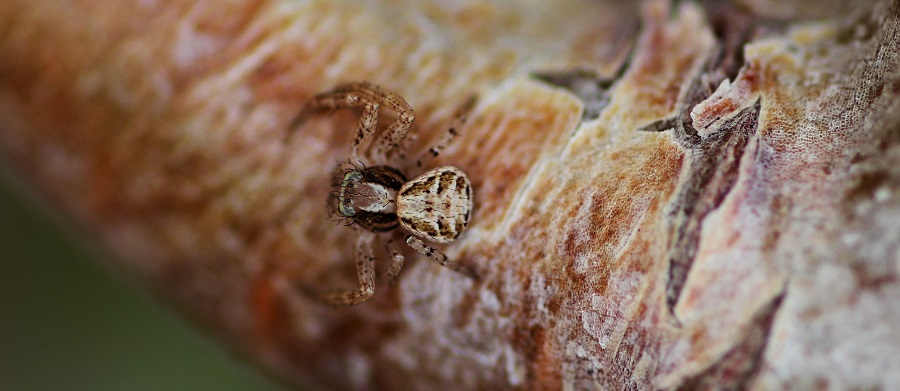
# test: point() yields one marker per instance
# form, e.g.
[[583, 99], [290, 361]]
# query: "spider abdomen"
[[436, 205]]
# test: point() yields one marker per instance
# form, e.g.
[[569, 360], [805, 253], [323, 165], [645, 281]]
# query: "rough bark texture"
[[695, 196]]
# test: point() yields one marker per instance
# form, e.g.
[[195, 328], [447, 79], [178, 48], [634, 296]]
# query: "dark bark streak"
[[733, 29], [713, 159], [738, 368], [711, 173], [659, 125], [593, 89]]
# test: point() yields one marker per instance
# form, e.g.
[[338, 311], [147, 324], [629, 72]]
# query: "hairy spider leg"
[[365, 129], [459, 120], [365, 272], [396, 261], [390, 139], [370, 97], [438, 257]]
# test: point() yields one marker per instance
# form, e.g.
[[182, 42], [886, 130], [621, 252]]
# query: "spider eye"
[[346, 209]]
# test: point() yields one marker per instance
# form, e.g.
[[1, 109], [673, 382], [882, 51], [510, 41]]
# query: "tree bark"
[[693, 196]]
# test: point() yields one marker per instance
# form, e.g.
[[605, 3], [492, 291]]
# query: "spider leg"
[[365, 271], [370, 97], [365, 130], [459, 119], [391, 141], [438, 257], [396, 261], [328, 101]]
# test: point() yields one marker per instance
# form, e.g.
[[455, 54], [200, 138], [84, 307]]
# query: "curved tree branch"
[[693, 196]]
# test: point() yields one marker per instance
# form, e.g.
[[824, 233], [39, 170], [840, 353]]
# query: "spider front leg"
[[438, 257], [332, 100], [370, 98], [391, 140], [365, 271]]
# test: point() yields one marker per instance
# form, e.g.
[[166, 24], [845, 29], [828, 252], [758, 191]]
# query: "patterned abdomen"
[[436, 205]]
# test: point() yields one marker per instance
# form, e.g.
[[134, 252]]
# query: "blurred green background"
[[68, 322]]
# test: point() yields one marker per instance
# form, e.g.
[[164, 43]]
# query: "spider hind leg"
[[365, 271], [438, 257]]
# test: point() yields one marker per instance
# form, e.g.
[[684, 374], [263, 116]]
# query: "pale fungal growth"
[[436, 205]]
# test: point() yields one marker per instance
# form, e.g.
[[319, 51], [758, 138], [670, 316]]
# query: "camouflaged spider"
[[435, 206]]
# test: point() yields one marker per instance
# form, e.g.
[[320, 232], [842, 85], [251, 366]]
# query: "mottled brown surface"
[[695, 197]]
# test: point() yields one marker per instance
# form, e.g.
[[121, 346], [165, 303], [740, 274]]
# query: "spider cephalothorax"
[[435, 206], [367, 196]]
